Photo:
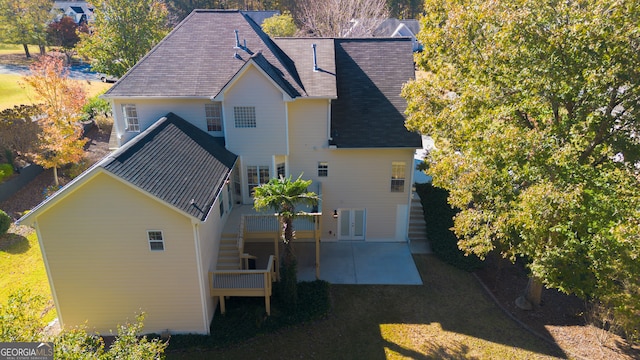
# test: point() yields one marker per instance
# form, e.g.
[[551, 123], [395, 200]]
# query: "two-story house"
[[214, 110]]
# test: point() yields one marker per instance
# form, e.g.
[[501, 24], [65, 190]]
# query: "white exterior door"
[[351, 223]]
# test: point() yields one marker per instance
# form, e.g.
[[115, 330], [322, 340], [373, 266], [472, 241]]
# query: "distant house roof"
[[200, 66], [176, 162], [388, 27], [369, 111]]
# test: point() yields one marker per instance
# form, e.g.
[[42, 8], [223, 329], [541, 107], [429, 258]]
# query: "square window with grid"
[[130, 118], [156, 240], [323, 168], [244, 116], [398, 169], [213, 114]]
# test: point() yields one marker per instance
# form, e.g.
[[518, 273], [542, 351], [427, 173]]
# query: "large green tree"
[[283, 195], [123, 32], [25, 22], [534, 110]]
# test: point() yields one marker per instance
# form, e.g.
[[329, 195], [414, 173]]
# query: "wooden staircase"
[[418, 227], [229, 254]]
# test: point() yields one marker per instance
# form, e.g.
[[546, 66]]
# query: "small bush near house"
[[74, 169], [246, 318], [5, 222], [439, 217], [6, 170], [96, 106]]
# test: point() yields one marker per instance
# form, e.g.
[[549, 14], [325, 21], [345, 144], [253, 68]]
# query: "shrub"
[[20, 317], [74, 169], [439, 217], [5, 222], [246, 318], [96, 106], [6, 170]]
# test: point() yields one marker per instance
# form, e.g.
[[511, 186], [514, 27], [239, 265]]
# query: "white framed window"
[[213, 114], [256, 176], [244, 116], [398, 170], [156, 240], [323, 168], [130, 114]]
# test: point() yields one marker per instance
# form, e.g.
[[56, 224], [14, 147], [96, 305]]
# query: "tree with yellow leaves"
[[61, 140]]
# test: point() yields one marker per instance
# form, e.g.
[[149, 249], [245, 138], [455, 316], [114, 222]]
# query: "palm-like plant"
[[282, 195]]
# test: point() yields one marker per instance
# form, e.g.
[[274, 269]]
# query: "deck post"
[[317, 239]]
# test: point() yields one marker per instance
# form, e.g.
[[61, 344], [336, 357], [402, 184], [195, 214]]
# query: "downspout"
[[201, 278]]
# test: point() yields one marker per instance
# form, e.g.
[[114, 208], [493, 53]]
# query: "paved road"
[[77, 72]]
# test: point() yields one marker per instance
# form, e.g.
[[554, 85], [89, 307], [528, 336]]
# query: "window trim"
[[128, 124], [244, 117], [260, 169], [155, 241], [398, 177], [213, 116]]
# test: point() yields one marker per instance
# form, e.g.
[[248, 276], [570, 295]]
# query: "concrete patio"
[[350, 262]]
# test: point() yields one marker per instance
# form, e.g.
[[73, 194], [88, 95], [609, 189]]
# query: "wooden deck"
[[243, 283]]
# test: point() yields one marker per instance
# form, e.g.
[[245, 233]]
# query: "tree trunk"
[[42, 49], [55, 176], [532, 296], [26, 51]]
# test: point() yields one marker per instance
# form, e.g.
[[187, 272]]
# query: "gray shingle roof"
[[197, 58], [316, 83], [369, 111], [176, 162]]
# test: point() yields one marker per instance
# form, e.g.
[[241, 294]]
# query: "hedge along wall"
[[13, 185]]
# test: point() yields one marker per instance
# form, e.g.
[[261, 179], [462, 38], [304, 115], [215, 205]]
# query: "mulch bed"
[[561, 319], [34, 193]]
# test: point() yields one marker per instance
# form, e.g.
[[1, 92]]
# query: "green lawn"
[[14, 92], [17, 49], [21, 267], [447, 317]]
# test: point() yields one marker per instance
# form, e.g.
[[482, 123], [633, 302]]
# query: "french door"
[[351, 224]]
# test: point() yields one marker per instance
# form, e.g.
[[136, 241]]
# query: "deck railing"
[[243, 283]]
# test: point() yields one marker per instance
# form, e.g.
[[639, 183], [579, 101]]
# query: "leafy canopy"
[[534, 110], [280, 25], [283, 194], [24, 21], [123, 32], [60, 141]]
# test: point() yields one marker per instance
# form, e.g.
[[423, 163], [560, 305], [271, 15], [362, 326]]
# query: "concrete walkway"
[[351, 262]]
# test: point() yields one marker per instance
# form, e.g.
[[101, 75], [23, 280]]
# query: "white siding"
[[210, 232], [256, 145], [150, 110], [358, 178], [102, 269]]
